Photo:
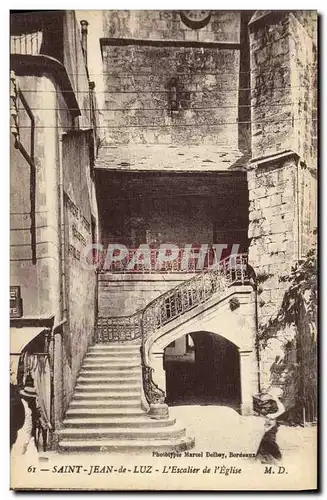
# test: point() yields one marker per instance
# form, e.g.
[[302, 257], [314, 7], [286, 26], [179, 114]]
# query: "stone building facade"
[[53, 210], [206, 136], [236, 95]]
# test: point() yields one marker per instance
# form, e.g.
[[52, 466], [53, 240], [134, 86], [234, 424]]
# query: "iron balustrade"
[[120, 328], [26, 44], [188, 260], [169, 306], [174, 302], [193, 292]]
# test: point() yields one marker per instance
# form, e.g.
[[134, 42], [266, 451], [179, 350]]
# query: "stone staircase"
[[105, 413]]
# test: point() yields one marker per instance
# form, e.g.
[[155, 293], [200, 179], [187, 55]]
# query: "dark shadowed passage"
[[202, 368]]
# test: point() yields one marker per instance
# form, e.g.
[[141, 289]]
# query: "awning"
[[20, 337]]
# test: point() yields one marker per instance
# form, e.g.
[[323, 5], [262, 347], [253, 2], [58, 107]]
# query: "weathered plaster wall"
[[40, 282], [173, 220], [49, 287], [80, 281]]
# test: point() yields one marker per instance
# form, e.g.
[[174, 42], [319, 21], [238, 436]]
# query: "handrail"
[[180, 299], [153, 264], [121, 328], [223, 274], [174, 302], [168, 306]]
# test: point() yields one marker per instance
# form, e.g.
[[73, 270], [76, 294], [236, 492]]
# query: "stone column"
[[249, 380]]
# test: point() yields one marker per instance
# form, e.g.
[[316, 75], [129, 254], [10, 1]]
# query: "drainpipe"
[[257, 335], [62, 232], [58, 339], [298, 210], [29, 157], [254, 284], [84, 24]]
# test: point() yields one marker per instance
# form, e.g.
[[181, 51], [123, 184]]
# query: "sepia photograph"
[[163, 250]]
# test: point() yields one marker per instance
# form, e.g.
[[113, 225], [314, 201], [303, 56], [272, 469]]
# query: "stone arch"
[[202, 368], [247, 360], [236, 325]]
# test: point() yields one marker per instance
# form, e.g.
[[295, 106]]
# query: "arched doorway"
[[202, 368]]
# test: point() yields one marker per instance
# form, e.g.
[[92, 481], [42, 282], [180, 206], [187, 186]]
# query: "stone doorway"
[[202, 368]]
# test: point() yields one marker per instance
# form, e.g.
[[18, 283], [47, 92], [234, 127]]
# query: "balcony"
[[26, 44], [167, 259]]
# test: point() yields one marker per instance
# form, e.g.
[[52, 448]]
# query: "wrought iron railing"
[[192, 292], [183, 298], [120, 328], [190, 260], [169, 306], [174, 302], [27, 43]]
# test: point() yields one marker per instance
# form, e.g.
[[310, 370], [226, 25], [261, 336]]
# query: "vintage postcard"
[[163, 249]]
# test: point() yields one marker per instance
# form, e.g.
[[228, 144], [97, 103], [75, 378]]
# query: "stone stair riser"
[[90, 380], [129, 423], [123, 446], [130, 434], [112, 368], [90, 386], [107, 404]]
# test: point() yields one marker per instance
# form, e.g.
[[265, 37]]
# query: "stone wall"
[[140, 74], [176, 208], [303, 65], [124, 294], [281, 179], [272, 227], [270, 80], [274, 247], [138, 109], [165, 25], [283, 78]]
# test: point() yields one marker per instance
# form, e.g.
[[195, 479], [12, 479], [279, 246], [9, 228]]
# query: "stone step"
[[113, 368], [104, 403], [116, 346], [129, 422], [110, 388], [108, 380], [115, 350], [128, 446], [130, 344], [114, 396], [112, 354], [102, 433], [96, 412], [112, 361]]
